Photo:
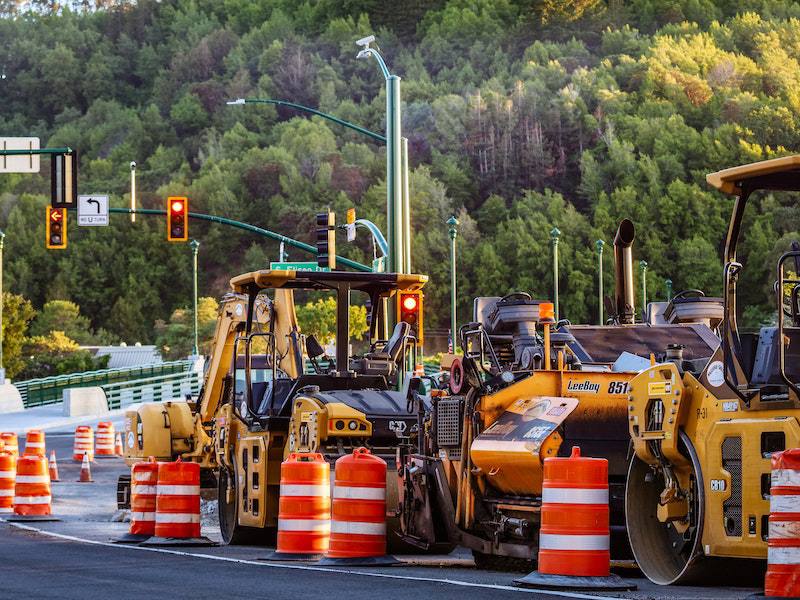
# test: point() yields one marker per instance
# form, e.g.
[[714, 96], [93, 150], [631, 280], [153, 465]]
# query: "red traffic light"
[[409, 310], [177, 219], [409, 303]]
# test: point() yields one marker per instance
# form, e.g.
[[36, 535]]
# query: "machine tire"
[[234, 534], [504, 564]]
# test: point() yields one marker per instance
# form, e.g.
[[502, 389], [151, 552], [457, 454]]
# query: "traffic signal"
[[64, 180], [409, 309], [56, 226], [177, 219], [326, 240]]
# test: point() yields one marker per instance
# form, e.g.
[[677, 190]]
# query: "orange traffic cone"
[[118, 445], [53, 466], [86, 471]]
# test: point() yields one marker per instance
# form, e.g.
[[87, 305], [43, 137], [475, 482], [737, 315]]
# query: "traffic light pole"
[[340, 260], [195, 245]]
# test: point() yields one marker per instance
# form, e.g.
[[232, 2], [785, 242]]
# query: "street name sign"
[[93, 210], [297, 266]]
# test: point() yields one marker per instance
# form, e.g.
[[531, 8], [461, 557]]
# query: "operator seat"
[[383, 360]]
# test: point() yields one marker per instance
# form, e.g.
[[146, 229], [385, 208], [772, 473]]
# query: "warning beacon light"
[[409, 310], [177, 219]]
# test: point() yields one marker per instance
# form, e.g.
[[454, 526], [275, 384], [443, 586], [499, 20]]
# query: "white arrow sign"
[[93, 210]]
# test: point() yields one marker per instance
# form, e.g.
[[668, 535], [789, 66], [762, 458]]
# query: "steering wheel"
[[515, 296], [687, 293]]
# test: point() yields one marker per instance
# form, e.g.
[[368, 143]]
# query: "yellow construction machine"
[[697, 499], [257, 403], [525, 389]]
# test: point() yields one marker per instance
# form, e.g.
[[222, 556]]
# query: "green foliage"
[[520, 117], [17, 313], [175, 339], [64, 316], [318, 318], [56, 354]]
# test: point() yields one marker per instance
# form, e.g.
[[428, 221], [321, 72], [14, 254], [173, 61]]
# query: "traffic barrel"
[[10, 442], [144, 484], [304, 508], [104, 439], [35, 443], [358, 513], [8, 475], [32, 486], [53, 466], [83, 444], [783, 542], [574, 534]]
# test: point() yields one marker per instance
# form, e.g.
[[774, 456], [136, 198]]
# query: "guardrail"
[[175, 386], [48, 390]]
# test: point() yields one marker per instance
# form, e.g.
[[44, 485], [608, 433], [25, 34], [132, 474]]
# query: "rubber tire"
[[504, 564], [234, 534]]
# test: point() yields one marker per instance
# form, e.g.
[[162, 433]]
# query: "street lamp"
[[452, 224], [555, 233], [195, 245], [668, 285], [599, 245], [397, 205], [643, 268]]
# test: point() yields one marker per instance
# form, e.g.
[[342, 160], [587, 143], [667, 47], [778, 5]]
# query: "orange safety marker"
[[53, 466], [83, 446], [10, 442], [118, 446], [304, 508], [8, 475], [144, 484], [35, 444], [104, 439], [574, 532], [86, 471], [358, 515], [32, 490], [783, 542]]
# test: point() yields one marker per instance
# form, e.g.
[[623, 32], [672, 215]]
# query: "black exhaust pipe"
[[623, 272]]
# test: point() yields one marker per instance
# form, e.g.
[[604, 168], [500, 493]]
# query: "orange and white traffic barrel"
[[358, 513], [104, 439], [783, 542], [178, 500], [10, 443], [35, 443], [144, 484], [83, 443], [32, 486], [574, 534], [8, 475], [304, 508]]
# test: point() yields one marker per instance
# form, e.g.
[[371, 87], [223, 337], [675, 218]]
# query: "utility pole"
[[555, 233], [2, 338], [643, 269], [133, 192], [599, 245], [195, 245], [452, 224]]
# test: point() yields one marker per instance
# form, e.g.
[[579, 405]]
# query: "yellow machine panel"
[[169, 428]]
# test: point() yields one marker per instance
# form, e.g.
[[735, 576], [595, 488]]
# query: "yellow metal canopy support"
[[728, 181]]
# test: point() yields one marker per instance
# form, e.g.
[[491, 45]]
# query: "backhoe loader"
[[250, 412], [697, 501], [527, 389]]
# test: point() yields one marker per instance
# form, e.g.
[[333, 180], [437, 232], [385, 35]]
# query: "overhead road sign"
[[19, 163], [297, 266], [93, 210]]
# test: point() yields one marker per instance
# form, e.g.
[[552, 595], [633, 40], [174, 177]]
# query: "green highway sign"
[[296, 266]]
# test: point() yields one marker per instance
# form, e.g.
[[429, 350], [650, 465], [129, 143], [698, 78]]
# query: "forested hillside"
[[522, 116]]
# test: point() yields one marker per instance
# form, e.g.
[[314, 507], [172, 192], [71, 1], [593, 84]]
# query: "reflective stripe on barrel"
[[304, 509], [104, 439], [783, 552], [34, 443], [8, 474], [32, 486], [178, 500], [574, 532], [144, 482], [10, 443], [358, 514], [83, 444]]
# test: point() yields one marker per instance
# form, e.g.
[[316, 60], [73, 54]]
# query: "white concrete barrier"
[[85, 401], [10, 400]]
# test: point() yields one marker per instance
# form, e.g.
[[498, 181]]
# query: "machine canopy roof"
[[371, 283], [774, 174]]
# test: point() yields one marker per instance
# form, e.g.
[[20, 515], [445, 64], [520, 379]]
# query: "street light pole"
[[195, 245], [554, 235], [2, 338], [452, 224], [643, 268], [599, 245], [668, 285]]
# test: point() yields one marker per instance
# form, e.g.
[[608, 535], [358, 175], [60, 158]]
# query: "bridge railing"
[[49, 390], [174, 386]]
